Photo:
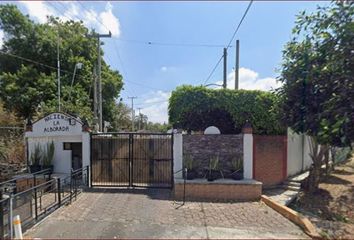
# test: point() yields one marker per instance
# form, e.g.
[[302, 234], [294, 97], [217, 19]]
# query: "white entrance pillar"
[[177, 155], [86, 153], [247, 152]]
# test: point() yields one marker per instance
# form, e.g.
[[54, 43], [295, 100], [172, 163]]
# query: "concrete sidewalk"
[[151, 214]]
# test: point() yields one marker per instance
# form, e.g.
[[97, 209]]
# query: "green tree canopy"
[[318, 75], [29, 87], [195, 108]]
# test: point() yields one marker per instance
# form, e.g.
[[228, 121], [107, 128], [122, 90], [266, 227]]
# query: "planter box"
[[219, 190]]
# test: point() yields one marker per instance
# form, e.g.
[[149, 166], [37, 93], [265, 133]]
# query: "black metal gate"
[[132, 160]]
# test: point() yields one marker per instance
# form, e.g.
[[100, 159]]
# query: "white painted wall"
[[177, 154], [299, 158], [56, 127], [248, 156]]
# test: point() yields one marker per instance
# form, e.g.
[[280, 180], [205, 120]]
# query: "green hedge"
[[195, 108]]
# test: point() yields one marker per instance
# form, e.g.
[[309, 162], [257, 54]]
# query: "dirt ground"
[[331, 210]]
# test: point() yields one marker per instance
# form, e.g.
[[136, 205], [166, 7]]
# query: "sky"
[[151, 71]]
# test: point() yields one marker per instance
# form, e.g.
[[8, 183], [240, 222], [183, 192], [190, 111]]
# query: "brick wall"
[[269, 159], [202, 147], [219, 191]]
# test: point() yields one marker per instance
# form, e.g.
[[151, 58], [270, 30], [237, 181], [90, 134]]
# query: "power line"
[[212, 71], [228, 46], [148, 103], [32, 61], [166, 44], [239, 24], [116, 51]]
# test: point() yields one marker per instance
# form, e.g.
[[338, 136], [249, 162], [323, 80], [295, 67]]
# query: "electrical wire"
[[229, 44], [167, 44], [35, 62], [239, 24]]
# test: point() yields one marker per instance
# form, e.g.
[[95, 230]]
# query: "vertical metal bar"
[[87, 175], [59, 197], [91, 159], [172, 162], [184, 185], [35, 203], [130, 159], [11, 217], [71, 185], [40, 200]]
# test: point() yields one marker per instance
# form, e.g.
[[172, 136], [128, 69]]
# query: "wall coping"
[[204, 181]]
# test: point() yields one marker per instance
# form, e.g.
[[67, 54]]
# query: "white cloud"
[[168, 69], [39, 10], [101, 21], [250, 80], [155, 106], [110, 21]]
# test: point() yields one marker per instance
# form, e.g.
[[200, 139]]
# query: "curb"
[[293, 216]]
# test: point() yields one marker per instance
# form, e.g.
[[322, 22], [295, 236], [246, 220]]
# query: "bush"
[[195, 108]]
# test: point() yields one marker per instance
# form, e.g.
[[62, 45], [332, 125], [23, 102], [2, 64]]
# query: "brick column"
[[177, 154], [247, 151]]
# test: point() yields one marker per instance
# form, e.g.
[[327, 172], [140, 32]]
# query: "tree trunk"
[[326, 160], [333, 157], [316, 153]]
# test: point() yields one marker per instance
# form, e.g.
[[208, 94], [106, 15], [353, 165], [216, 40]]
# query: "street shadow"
[[342, 172], [274, 192], [153, 193], [335, 180]]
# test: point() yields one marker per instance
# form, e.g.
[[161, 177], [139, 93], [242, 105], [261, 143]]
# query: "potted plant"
[[237, 169], [214, 169], [48, 156], [191, 166], [36, 157]]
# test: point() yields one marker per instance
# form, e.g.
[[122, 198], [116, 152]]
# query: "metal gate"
[[132, 160]]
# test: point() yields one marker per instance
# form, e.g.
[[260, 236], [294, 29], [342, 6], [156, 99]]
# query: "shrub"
[[195, 108]]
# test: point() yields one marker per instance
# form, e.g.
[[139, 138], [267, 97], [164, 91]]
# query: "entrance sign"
[[61, 129], [59, 123]]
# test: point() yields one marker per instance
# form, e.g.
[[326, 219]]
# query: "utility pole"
[[99, 82], [225, 69], [237, 64], [140, 119], [132, 98], [95, 110], [58, 66]]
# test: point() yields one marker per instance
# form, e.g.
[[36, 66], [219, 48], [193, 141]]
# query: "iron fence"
[[35, 203]]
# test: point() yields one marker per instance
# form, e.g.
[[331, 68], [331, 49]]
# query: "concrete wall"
[[203, 147], [298, 156], [177, 155]]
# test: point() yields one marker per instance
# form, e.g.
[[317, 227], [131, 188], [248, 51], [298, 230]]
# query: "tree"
[[121, 117], [158, 127], [318, 80], [29, 87]]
